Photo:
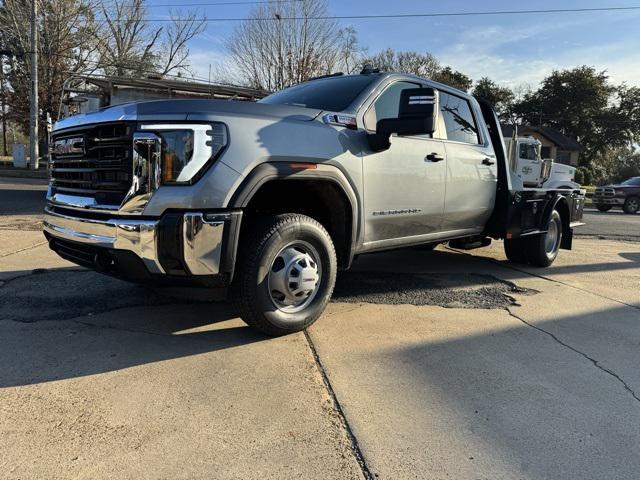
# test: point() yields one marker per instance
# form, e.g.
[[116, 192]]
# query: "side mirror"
[[416, 116]]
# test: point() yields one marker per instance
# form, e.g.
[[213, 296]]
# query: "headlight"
[[187, 149]]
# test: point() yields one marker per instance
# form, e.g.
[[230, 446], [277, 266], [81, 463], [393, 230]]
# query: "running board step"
[[470, 243]]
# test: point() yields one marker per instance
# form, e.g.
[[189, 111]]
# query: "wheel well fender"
[[339, 212]]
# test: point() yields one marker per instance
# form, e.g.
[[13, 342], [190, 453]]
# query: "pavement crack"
[[579, 352], [22, 249], [353, 441], [341, 312]]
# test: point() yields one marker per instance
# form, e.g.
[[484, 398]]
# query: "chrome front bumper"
[[607, 200], [202, 237]]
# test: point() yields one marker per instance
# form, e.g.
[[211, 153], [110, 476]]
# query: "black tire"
[[631, 205], [258, 254], [539, 251], [515, 251], [604, 208]]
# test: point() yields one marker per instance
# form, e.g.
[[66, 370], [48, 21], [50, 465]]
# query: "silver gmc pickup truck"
[[272, 198]]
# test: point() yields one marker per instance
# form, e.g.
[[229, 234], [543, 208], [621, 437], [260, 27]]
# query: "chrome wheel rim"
[[633, 205], [294, 276], [552, 238]]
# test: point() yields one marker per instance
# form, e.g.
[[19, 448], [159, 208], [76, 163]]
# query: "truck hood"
[[182, 110], [619, 186]]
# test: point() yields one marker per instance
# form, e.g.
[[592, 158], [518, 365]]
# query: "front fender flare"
[[266, 172]]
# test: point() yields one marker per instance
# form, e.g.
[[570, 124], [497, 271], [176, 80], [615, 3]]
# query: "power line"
[[98, 64], [211, 4], [411, 15]]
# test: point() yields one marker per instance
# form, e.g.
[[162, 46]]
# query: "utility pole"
[[33, 122], [2, 106]]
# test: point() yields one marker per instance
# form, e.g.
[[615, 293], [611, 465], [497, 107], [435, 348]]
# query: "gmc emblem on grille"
[[68, 146]]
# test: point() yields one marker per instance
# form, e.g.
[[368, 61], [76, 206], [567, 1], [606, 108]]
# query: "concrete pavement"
[[180, 390], [434, 365], [547, 388]]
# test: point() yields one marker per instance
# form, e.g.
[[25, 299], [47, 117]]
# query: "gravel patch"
[[445, 290]]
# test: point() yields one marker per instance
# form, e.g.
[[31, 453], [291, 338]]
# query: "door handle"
[[488, 161], [435, 157]]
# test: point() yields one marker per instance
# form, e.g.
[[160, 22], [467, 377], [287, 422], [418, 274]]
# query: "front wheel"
[[603, 208], [543, 249], [286, 274]]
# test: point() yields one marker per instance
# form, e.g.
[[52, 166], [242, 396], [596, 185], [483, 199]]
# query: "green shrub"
[[584, 176]]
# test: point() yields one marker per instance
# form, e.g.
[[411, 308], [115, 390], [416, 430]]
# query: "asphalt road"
[[437, 365], [22, 196], [614, 225]]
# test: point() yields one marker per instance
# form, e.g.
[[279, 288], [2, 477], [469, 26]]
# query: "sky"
[[514, 50]]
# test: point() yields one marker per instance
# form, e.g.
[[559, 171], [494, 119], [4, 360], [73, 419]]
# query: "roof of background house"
[[562, 141]]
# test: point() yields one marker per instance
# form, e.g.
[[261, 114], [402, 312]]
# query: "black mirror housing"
[[417, 115]]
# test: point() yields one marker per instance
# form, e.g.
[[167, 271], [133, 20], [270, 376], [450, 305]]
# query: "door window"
[[458, 119], [546, 152], [386, 105], [528, 151]]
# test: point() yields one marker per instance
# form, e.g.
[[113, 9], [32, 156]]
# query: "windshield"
[[632, 181], [334, 94]]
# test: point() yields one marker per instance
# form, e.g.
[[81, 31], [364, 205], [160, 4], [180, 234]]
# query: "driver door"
[[404, 186]]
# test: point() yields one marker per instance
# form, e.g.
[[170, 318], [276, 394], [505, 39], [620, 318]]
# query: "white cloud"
[[477, 54]]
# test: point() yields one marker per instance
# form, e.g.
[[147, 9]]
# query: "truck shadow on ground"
[[67, 323], [71, 322], [629, 261]]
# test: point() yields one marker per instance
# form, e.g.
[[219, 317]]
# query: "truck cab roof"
[[346, 93]]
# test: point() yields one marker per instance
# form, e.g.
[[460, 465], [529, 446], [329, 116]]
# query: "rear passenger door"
[[472, 172]]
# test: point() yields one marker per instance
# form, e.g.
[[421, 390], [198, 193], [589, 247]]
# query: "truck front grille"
[[94, 161], [604, 192]]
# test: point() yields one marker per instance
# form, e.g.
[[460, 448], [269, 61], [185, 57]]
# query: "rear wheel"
[[631, 205], [286, 278], [603, 208], [543, 249], [514, 249]]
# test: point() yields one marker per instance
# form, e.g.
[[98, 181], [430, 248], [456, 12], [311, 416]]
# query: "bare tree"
[[125, 40], [129, 45], [421, 64], [64, 28], [175, 52], [350, 56], [285, 43]]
